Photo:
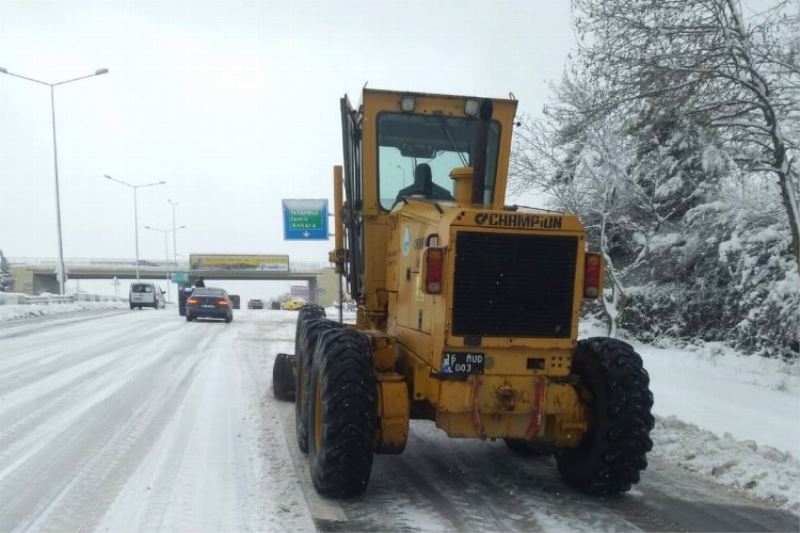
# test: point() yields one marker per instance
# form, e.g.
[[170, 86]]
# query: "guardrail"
[[49, 299], [14, 298]]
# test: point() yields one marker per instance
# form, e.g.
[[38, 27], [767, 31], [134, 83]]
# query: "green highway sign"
[[179, 277], [305, 219]]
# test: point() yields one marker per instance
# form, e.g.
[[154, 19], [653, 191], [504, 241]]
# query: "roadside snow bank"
[[732, 417], [721, 390], [349, 317], [14, 312], [762, 471]]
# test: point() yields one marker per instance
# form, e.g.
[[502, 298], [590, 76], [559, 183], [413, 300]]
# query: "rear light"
[[222, 302], [192, 301], [434, 268], [591, 277]]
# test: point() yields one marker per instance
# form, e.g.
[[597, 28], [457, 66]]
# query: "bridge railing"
[[144, 264]]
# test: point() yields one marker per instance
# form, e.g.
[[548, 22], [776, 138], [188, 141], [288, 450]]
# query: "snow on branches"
[[673, 135]]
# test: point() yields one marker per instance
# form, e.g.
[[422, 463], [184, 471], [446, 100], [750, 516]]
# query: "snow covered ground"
[[733, 418], [15, 312], [142, 421]]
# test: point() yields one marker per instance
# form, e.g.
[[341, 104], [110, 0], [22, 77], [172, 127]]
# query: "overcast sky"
[[233, 103]]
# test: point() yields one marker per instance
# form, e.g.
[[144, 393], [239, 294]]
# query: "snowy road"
[[142, 421]]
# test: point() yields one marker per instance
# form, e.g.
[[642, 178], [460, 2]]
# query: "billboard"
[[253, 263], [305, 220], [299, 291]]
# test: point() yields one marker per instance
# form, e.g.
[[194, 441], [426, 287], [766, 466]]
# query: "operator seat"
[[424, 186]]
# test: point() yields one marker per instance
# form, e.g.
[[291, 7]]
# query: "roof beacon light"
[[407, 104], [472, 107]]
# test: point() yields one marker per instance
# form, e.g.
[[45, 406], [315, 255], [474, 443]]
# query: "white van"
[[144, 294]]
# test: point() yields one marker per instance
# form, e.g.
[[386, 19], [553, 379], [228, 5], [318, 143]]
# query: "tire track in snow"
[[92, 425], [35, 350], [210, 470], [18, 328], [32, 420], [49, 364], [114, 460]]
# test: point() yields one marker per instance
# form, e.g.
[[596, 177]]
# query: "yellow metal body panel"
[[393, 413], [509, 399], [373, 311]]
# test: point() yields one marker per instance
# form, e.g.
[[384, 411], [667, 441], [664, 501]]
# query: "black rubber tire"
[[312, 329], [283, 378], [228, 319], [613, 451], [131, 307], [306, 313], [526, 448], [189, 318], [344, 387]]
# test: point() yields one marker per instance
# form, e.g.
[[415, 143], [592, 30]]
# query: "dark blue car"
[[209, 303]]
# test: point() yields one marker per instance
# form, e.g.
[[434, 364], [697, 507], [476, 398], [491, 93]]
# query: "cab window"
[[417, 152]]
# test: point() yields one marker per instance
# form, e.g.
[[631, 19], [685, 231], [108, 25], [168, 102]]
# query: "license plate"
[[460, 363], [207, 306]]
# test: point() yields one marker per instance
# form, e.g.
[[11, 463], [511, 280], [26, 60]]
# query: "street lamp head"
[[101, 71], [107, 177], [3, 70], [162, 182]]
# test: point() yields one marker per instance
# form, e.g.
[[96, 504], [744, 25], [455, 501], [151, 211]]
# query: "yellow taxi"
[[293, 304]]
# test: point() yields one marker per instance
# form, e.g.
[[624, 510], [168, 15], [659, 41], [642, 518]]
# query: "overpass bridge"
[[34, 275]]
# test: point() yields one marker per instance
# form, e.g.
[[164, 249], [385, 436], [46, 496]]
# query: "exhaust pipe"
[[479, 148]]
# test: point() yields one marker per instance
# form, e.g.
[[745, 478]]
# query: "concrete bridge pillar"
[[312, 290], [45, 283]]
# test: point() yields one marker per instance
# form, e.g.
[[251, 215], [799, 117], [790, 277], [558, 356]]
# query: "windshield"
[[417, 152], [209, 292], [140, 287]]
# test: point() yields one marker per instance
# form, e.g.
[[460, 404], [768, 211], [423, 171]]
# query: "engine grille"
[[512, 285]]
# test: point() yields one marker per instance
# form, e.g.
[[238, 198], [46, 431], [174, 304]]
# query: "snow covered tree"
[[583, 165], [6, 281], [665, 136], [700, 58]]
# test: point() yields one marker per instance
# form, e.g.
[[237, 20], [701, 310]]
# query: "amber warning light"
[[591, 279], [434, 265]]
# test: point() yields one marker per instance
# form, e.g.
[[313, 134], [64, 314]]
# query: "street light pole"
[[174, 234], [62, 270], [166, 233], [136, 211], [136, 227]]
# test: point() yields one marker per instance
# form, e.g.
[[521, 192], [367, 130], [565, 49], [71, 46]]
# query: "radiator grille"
[[513, 285]]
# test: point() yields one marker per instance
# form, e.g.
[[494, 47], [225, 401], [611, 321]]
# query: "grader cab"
[[467, 309]]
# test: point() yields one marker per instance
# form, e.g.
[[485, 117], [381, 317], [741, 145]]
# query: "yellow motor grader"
[[467, 309]]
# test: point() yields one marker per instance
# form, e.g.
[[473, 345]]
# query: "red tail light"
[[434, 267], [192, 301], [591, 277], [222, 302]]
